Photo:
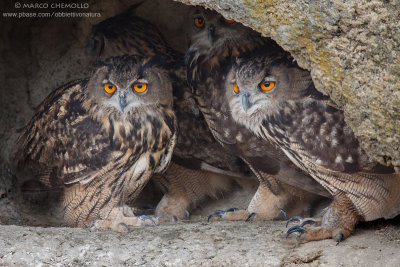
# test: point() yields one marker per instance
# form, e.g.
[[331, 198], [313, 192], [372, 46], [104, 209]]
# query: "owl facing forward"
[[277, 101], [197, 155], [101, 139], [215, 42]]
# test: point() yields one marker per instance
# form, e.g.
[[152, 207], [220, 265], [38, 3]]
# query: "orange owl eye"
[[109, 88], [228, 21], [236, 88], [199, 22], [267, 86], [139, 87]]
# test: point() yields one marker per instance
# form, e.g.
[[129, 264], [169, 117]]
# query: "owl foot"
[[337, 223], [174, 206], [232, 214], [318, 233], [235, 214], [120, 219], [303, 221], [253, 215]]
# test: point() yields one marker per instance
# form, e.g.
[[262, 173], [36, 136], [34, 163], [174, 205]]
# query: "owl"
[[215, 42], [101, 139], [276, 100], [199, 160]]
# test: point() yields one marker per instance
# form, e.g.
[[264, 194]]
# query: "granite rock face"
[[353, 51]]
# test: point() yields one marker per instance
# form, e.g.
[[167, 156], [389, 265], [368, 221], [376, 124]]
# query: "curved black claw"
[[250, 216], [310, 222], [216, 212], [145, 217], [187, 213], [175, 218], [299, 218], [232, 210], [296, 228], [221, 213], [284, 214], [125, 226], [340, 238]]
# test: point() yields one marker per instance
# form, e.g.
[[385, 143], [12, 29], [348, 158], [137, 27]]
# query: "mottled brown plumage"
[[186, 188], [197, 153], [100, 146], [215, 42], [294, 116]]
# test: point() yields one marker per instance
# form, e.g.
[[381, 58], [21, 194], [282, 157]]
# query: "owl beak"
[[245, 101], [122, 101], [211, 33]]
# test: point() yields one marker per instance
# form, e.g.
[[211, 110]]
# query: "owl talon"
[[216, 212], [232, 210], [221, 213], [187, 213], [299, 218], [125, 226], [253, 214], [142, 219], [310, 222], [296, 228], [284, 214], [163, 216], [340, 239]]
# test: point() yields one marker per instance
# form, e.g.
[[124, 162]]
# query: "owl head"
[[211, 30], [259, 85], [130, 84], [116, 35]]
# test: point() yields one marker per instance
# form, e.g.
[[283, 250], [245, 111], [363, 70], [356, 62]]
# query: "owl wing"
[[62, 142], [196, 147], [88, 152], [317, 133]]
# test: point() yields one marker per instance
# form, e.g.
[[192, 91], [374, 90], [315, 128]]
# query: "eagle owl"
[[198, 158], [101, 139], [275, 99], [215, 42]]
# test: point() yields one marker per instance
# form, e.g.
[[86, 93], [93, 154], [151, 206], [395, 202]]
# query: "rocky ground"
[[195, 244], [187, 243]]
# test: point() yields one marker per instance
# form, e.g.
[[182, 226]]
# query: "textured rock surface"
[[193, 244], [353, 51]]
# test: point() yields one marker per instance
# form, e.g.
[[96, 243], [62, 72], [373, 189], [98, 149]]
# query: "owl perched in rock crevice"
[[276, 100], [101, 139], [215, 42], [197, 154]]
